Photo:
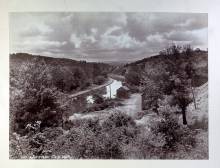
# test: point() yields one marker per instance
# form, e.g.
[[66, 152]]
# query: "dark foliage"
[[133, 78], [174, 134], [99, 80], [33, 83]]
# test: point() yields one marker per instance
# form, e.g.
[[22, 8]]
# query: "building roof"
[[124, 88]]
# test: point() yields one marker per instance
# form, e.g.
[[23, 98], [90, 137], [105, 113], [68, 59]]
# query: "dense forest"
[[173, 122]]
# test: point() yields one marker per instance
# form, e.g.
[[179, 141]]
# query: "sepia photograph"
[[108, 85]]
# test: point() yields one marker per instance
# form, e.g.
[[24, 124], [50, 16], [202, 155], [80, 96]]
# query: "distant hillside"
[[23, 57], [65, 74], [156, 64]]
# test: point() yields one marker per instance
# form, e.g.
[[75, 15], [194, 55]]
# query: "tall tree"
[[181, 94], [179, 80], [190, 69]]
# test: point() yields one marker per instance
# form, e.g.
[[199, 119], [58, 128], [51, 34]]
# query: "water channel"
[[107, 92]]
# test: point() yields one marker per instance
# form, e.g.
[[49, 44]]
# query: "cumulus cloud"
[[104, 36], [82, 40], [36, 30]]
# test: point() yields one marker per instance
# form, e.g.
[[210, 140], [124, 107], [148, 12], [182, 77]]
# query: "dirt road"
[[92, 89], [132, 105]]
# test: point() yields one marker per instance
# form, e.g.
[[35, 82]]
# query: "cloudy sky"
[[105, 36]]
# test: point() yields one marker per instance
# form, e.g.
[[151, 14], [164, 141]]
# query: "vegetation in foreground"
[[39, 89], [118, 137]]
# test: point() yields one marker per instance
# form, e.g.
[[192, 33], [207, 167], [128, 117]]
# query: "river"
[[107, 92]]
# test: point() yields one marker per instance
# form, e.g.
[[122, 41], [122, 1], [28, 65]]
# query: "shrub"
[[133, 78], [99, 80], [117, 120], [36, 102], [174, 134], [121, 128], [90, 139], [38, 106], [150, 145], [170, 128], [98, 99], [19, 146]]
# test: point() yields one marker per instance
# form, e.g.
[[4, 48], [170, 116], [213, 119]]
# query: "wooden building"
[[123, 92]]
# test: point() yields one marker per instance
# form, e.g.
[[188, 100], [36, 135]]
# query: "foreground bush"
[[117, 137], [88, 139], [35, 100]]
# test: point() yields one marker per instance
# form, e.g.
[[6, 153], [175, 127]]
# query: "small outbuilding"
[[123, 92]]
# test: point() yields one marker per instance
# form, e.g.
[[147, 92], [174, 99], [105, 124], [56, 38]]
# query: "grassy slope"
[[198, 119], [200, 114]]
